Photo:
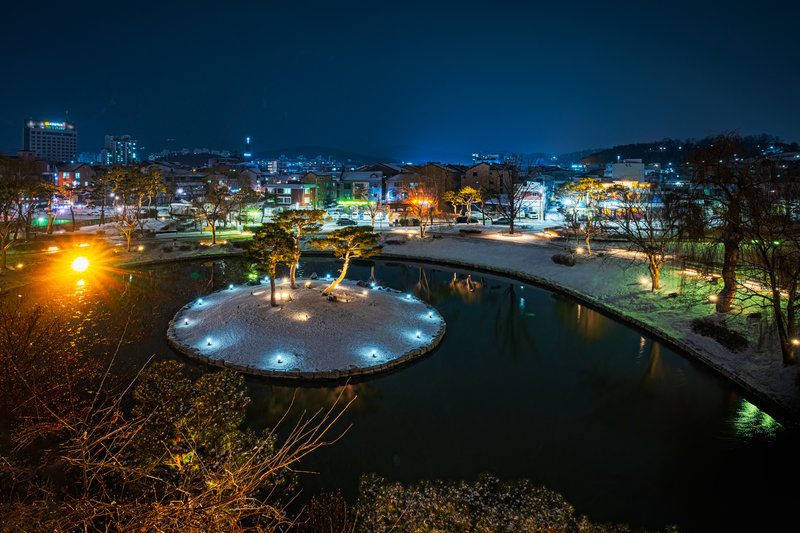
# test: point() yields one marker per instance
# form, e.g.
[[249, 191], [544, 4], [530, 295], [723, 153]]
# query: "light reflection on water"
[[752, 422]]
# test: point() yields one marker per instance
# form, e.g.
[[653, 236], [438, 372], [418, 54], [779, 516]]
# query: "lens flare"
[[80, 264]]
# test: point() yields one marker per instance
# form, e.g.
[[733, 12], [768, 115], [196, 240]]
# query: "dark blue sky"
[[411, 80]]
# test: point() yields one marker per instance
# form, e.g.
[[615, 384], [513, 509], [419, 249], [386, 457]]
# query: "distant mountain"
[[674, 151]]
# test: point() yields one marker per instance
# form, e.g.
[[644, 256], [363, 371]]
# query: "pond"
[[526, 384]]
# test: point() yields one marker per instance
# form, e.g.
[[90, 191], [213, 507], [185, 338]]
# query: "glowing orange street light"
[[80, 264]]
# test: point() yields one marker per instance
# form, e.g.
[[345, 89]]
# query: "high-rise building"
[[51, 141], [119, 151]]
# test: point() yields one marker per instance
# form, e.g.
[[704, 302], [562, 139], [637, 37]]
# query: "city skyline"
[[425, 82]]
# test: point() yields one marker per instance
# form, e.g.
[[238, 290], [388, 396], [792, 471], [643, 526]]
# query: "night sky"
[[405, 80]]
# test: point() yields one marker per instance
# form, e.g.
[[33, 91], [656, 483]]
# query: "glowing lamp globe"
[[80, 264]]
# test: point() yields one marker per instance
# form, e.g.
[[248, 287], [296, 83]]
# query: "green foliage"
[[271, 245], [350, 241], [300, 221]]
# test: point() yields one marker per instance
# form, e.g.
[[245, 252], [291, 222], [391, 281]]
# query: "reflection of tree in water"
[[270, 402], [423, 287], [466, 288], [511, 331], [583, 321]]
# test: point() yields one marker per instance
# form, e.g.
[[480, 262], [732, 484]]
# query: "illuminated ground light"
[[430, 314], [230, 287], [643, 281], [796, 342], [408, 296], [81, 283], [199, 301], [19, 265], [712, 297], [186, 322], [579, 250], [140, 248], [418, 334], [372, 284], [374, 353], [208, 341], [79, 264]]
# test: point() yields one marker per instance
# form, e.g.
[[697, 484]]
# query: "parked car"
[[345, 222], [465, 220], [501, 222]]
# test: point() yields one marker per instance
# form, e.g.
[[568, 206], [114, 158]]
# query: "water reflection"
[[579, 319], [752, 422], [272, 402]]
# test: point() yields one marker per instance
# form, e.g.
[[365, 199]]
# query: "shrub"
[[564, 259], [718, 331]]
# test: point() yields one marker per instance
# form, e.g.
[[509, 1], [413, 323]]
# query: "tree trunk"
[[293, 267], [730, 262], [272, 301], [213, 233], [588, 246], [654, 268], [784, 329], [340, 278]]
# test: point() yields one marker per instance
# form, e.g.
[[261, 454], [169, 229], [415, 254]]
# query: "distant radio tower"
[[247, 152]]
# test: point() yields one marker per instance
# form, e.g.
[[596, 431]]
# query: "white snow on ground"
[[307, 332], [615, 283]]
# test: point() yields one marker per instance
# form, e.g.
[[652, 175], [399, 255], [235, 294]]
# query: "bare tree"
[[651, 225], [513, 188], [127, 188], [9, 209], [213, 205], [722, 177], [372, 207], [591, 191], [421, 206], [770, 260]]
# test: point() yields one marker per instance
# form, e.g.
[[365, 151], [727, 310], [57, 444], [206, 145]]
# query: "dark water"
[[525, 384]]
